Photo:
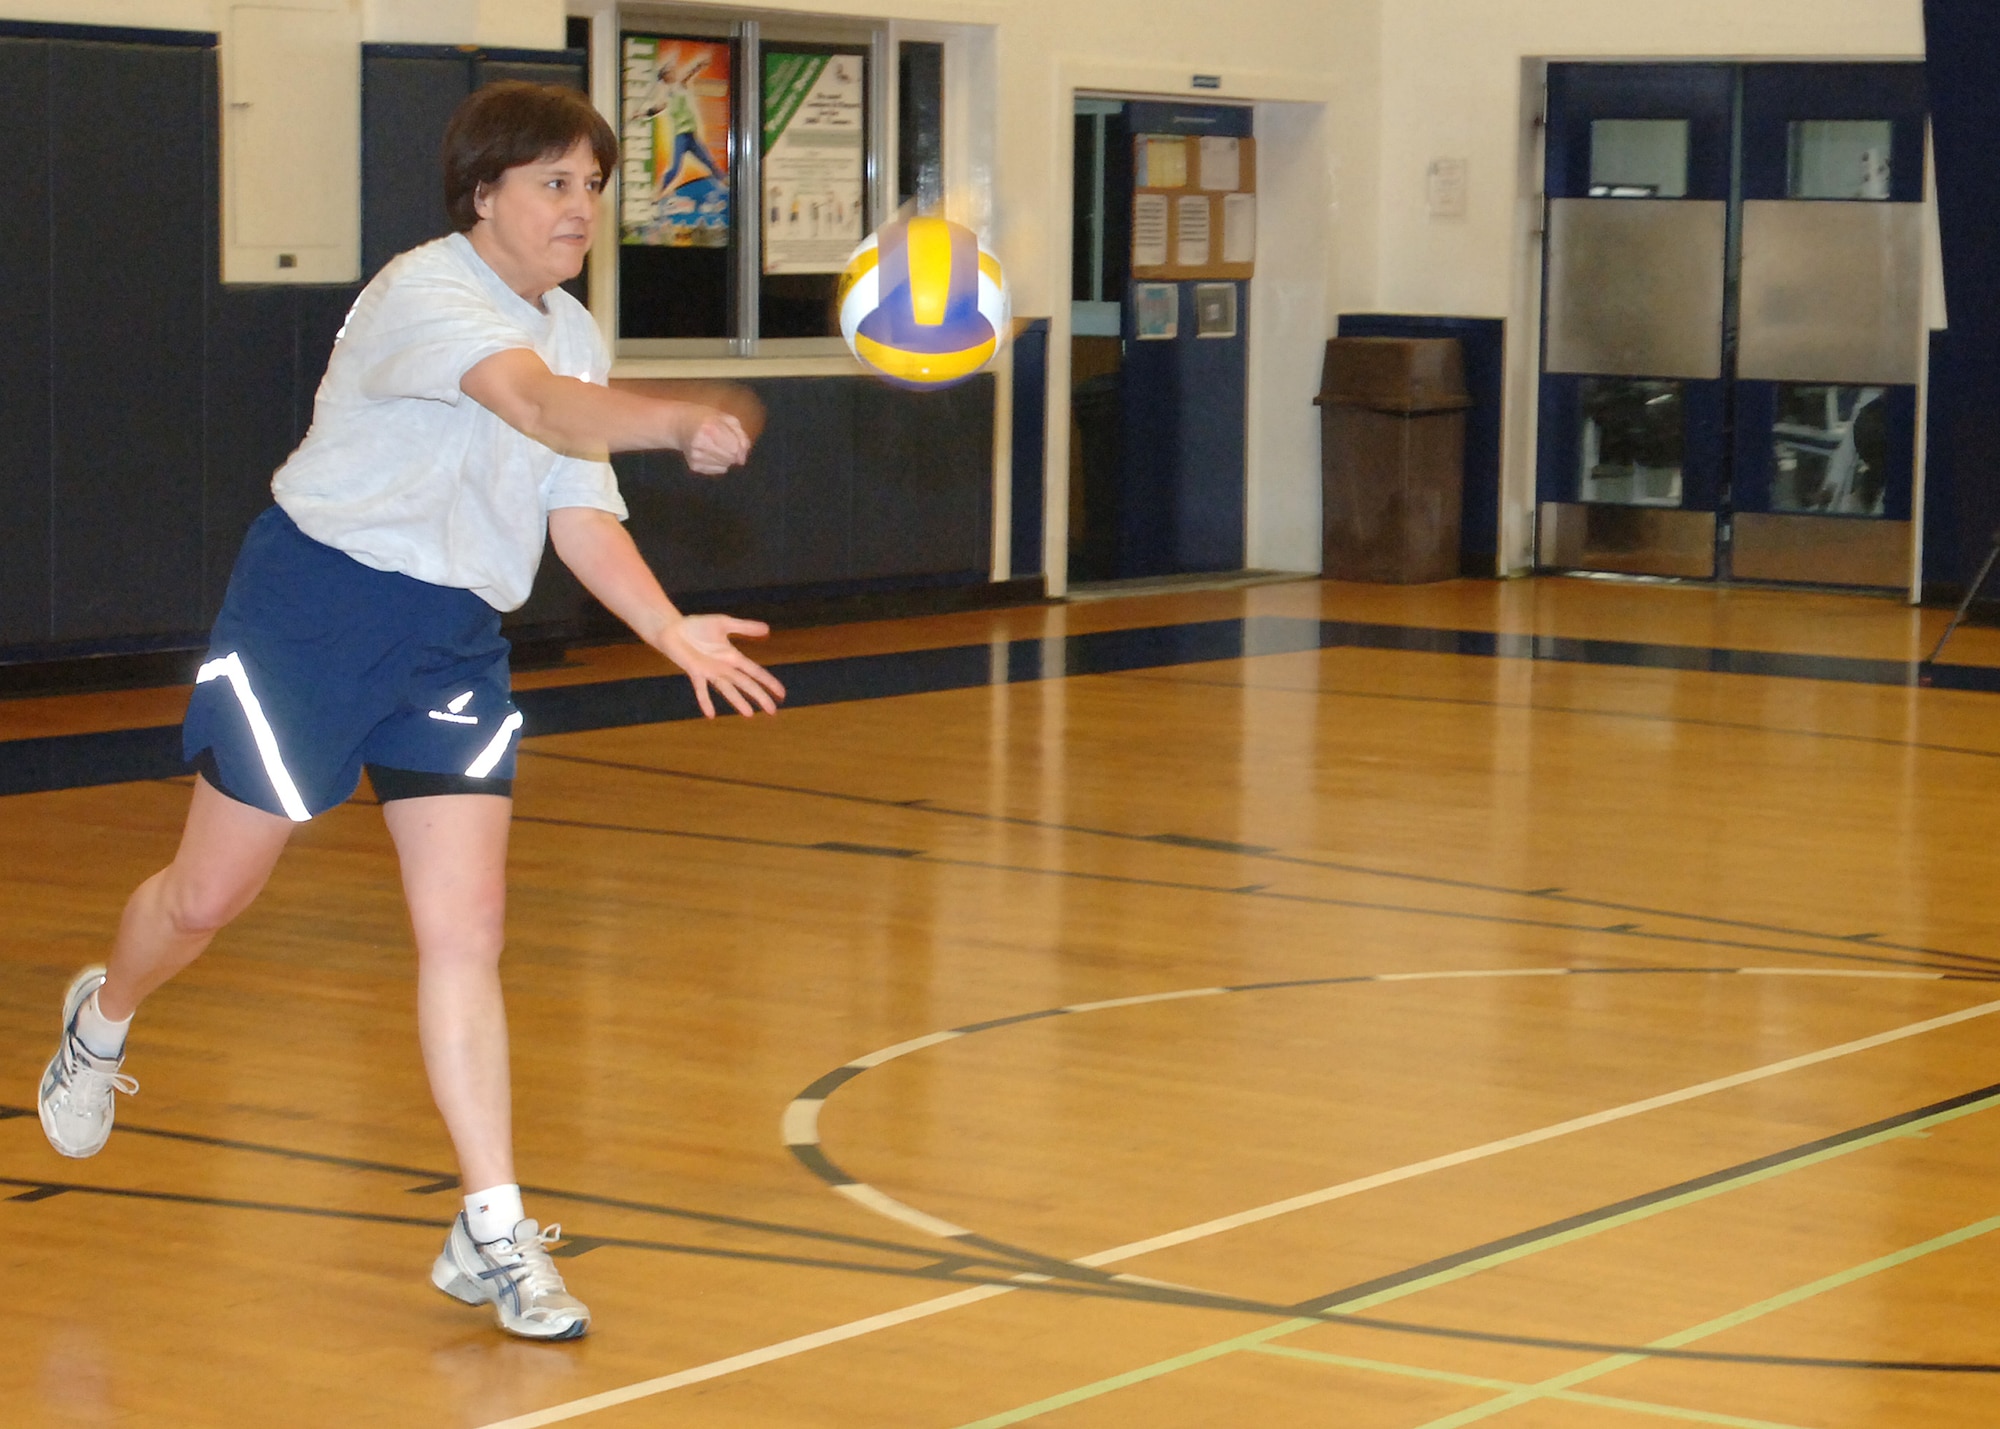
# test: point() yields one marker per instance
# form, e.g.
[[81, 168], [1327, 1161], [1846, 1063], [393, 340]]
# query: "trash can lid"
[[1394, 374]]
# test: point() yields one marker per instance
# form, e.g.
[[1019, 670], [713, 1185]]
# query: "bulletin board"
[[1194, 207]]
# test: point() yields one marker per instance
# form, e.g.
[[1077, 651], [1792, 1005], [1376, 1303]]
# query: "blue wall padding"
[[1031, 403], [1963, 477]]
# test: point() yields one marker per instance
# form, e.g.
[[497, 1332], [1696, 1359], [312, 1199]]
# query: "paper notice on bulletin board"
[[1221, 164], [675, 148], [815, 160], [1239, 228], [1149, 231], [1163, 162], [1191, 250]]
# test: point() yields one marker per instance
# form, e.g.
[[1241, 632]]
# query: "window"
[[754, 161], [815, 183], [677, 220], [1639, 158], [1840, 159], [1830, 450], [1633, 442], [920, 125]]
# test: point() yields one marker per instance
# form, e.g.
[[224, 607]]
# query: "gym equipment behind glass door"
[[1732, 327]]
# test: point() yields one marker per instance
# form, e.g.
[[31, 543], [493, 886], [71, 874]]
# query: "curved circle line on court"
[[799, 1125], [801, 1122]]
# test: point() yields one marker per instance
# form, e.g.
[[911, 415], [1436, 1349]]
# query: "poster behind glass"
[[675, 189], [815, 159]]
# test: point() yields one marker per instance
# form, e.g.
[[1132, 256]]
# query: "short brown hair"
[[510, 123]]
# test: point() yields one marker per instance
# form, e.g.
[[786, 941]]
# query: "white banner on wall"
[[815, 160]]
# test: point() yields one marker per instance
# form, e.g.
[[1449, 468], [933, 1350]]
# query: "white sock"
[[493, 1213], [99, 1033]]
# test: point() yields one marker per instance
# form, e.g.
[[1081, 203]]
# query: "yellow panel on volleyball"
[[922, 303]]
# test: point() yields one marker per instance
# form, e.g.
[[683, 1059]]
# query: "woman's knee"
[[471, 937], [196, 906]]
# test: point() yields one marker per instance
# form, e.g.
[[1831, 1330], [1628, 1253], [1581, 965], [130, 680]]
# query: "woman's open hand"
[[700, 645]]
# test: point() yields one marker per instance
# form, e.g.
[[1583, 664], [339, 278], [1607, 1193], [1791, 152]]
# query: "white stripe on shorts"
[[490, 756], [260, 730]]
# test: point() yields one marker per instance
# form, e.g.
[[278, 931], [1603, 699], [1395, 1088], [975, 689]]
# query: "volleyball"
[[923, 303]]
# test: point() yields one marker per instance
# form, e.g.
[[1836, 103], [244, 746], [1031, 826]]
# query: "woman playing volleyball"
[[463, 420]]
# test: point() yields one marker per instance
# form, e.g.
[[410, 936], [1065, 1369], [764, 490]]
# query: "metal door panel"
[[1832, 292], [1636, 287], [1820, 550], [1633, 540]]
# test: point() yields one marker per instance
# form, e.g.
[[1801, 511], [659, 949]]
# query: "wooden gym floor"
[[1236, 1008]]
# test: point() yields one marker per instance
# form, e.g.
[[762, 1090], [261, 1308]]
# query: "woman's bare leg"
[[226, 855], [454, 854]]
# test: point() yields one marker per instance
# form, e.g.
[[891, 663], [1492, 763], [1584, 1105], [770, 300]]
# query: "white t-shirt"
[[403, 471]]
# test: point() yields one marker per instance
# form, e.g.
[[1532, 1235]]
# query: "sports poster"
[[815, 160], [675, 185]]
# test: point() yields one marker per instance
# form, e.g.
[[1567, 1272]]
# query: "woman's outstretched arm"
[[597, 548], [583, 419]]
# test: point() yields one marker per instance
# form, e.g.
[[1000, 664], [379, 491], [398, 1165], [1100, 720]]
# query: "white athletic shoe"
[[514, 1276], [77, 1088]]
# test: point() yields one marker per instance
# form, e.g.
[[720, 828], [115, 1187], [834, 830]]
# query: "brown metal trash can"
[[1392, 458]]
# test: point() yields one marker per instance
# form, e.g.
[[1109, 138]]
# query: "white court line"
[[800, 1126], [943, 1304], [784, 1349], [1145, 999], [882, 1204], [1483, 974], [903, 1049], [1528, 1138]]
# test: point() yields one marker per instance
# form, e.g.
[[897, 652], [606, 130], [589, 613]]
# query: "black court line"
[[1950, 972], [812, 1157], [1253, 851], [957, 1268], [123, 756], [1616, 1209], [1530, 707], [1064, 1278], [433, 1181]]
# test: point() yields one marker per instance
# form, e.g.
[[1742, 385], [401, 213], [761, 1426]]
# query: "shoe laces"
[[532, 1271], [88, 1075]]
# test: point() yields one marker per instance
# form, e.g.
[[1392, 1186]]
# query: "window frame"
[[751, 31]]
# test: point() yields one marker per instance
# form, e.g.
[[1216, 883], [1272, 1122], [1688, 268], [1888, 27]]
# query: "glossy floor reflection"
[[1243, 1007]]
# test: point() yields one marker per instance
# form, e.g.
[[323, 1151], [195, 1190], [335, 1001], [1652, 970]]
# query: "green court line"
[[1783, 1301], [1568, 1396], [1257, 1338], [1139, 1376]]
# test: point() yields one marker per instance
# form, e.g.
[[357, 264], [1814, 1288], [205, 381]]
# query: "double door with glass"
[[1733, 321]]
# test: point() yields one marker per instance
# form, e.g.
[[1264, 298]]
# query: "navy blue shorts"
[[319, 665]]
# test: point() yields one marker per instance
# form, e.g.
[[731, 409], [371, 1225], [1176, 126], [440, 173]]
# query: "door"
[[1159, 396], [1732, 321], [1830, 350], [1633, 432]]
